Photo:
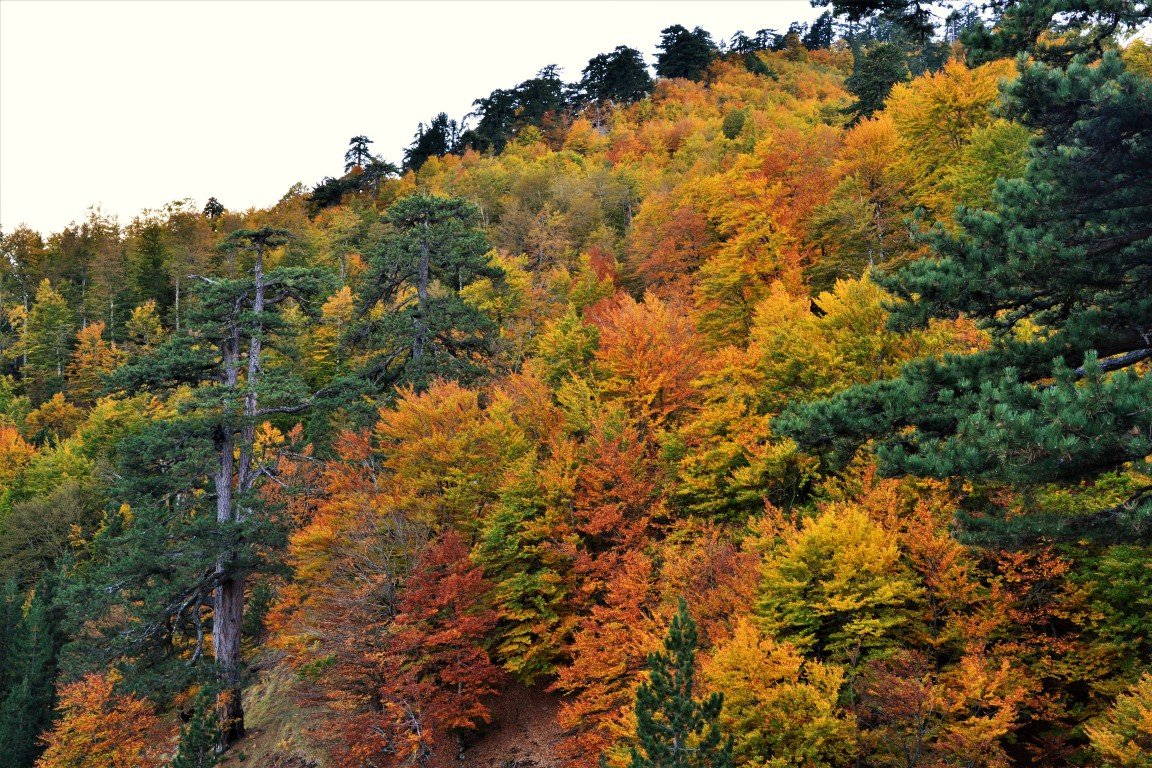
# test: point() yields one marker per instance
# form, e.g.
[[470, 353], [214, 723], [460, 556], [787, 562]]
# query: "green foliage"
[[684, 53], [835, 587], [620, 76], [440, 137], [48, 341], [876, 71], [415, 324], [31, 645], [675, 729], [200, 736], [1057, 272]]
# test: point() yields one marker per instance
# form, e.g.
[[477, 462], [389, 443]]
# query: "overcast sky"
[[131, 105]]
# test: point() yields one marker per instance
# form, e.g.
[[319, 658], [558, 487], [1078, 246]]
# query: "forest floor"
[[523, 732]]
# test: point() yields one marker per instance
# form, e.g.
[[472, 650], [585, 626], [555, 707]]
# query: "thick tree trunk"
[[228, 599]]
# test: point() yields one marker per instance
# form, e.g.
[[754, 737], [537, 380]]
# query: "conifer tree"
[[191, 526], [1058, 271], [620, 76], [51, 323], [29, 669], [358, 155], [199, 738], [876, 71], [674, 728], [684, 53], [431, 252]]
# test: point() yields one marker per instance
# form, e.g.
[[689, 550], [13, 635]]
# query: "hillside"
[[788, 409]]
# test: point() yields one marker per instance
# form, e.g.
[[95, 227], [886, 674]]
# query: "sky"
[[131, 105]]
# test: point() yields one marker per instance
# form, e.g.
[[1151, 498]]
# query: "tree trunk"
[[228, 599], [228, 603]]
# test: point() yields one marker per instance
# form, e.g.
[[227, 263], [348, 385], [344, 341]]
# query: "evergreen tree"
[[213, 209], [48, 342], [1058, 272], [675, 730], [440, 137], [620, 77], [539, 97], [357, 155], [876, 71], [29, 670], [200, 736], [148, 266], [431, 252], [684, 53], [497, 113], [191, 528], [821, 34]]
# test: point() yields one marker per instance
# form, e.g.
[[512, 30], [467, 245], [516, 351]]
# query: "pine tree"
[[51, 324], [876, 71], [192, 528], [620, 76], [200, 736], [684, 53], [440, 137], [432, 250], [675, 730], [1058, 271], [358, 155], [29, 669], [213, 209]]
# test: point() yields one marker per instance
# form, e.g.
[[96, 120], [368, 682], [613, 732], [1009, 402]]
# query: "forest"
[[790, 408]]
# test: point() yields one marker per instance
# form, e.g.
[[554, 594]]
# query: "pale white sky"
[[131, 105]]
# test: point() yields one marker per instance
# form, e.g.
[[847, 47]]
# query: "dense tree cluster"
[[788, 409]]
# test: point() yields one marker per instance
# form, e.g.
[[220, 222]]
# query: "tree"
[[1123, 736], [876, 71], [200, 735], [48, 340], [432, 250], [781, 709], [620, 76], [26, 682], [213, 209], [675, 730], [821, 34], [836, 586], [1056, 272], [440, 137], [189, 482], [445, 674], [684, 53], [357, 155], [98, 728], [92, 360]]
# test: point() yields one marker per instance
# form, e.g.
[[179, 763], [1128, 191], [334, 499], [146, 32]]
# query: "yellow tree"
[[93, 358], [782, 709], [98, 728], [935, 116], [648, 357], [1123, 735]]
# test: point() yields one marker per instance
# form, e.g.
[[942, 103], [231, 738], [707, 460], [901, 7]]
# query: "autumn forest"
[[789, 407]]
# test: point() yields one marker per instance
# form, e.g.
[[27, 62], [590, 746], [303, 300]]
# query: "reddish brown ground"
[[523, 734]]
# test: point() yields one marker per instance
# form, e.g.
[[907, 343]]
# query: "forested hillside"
[[788, 409]]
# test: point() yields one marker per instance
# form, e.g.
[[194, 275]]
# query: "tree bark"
[[235, 479]]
